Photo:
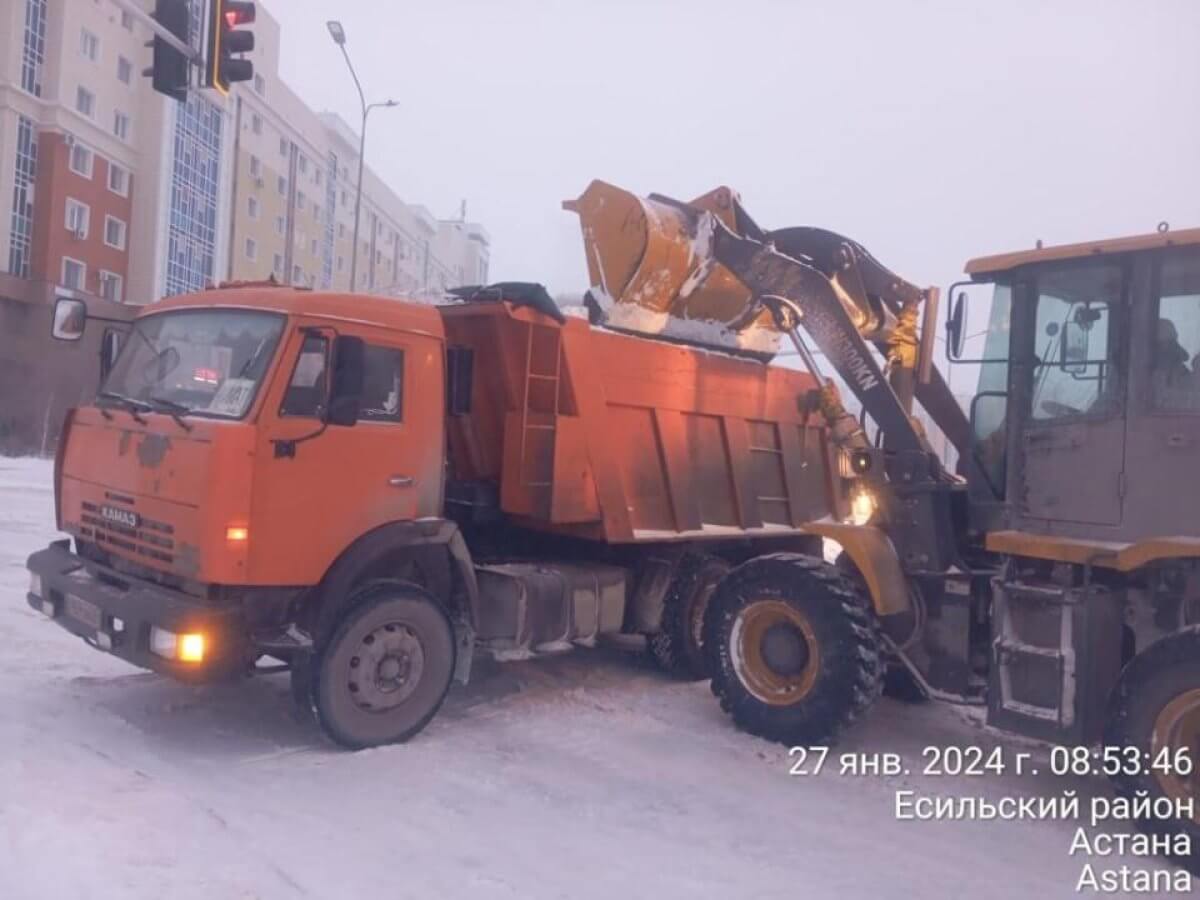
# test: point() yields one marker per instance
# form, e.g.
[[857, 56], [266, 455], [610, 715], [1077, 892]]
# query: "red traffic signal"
[[226, 40]]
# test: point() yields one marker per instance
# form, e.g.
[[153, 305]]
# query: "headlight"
[[189, 647], [862, 506], [35, 584]]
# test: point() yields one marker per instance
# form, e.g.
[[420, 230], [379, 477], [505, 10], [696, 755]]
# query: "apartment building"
[[114, 193]]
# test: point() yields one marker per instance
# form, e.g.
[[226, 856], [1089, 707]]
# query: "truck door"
[[1164, 423], [1073, 442], [318, 489]]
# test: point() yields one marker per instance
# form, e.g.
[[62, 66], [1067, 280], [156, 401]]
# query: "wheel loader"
[[1053, 575]]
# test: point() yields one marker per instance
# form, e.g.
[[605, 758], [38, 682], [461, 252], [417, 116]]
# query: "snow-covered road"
[[588, 775]]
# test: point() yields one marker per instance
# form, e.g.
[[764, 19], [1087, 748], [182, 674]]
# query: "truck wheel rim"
[[1176, 727], [775, 652], [386, 667]]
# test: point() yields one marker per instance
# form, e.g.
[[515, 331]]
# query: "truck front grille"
[[150, 539]]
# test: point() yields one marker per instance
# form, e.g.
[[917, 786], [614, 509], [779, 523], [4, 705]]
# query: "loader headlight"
[[862, 506], [35, 584]]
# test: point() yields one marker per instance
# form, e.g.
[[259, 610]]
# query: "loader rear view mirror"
[[346, 389], [954, 326], [70, 317]]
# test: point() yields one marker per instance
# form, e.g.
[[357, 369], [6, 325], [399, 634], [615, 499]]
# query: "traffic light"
[[170, 71], [226, 40]]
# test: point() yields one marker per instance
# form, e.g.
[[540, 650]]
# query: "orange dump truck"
[[369, 491]]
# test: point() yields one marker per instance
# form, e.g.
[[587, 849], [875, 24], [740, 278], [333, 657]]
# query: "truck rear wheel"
[[386, 668], [678, 648], [1155, 708], [793, 649]]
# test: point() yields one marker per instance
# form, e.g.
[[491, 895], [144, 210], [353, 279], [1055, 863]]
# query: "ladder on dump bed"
[[540, 407]]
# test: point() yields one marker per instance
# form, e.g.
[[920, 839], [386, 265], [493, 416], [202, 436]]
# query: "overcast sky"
[[928, 131]]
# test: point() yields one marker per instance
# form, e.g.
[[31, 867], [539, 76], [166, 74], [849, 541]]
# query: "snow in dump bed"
[[585, 775]]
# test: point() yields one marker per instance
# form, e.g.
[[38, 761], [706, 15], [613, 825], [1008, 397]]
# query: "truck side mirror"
[[70, 318], [954, 326], [349, 375], [110, 347]]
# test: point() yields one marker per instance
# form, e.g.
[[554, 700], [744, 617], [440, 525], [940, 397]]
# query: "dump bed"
[[622, 439]]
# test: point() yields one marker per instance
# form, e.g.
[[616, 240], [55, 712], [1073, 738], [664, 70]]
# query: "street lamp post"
[[339, 37]]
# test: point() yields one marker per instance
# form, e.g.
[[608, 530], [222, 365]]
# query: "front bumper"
[[118, 611]]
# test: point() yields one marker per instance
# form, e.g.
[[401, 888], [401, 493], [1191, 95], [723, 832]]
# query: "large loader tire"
[[678, 648], [898, 682], [793, 649], [386, 667], [1155, 707]]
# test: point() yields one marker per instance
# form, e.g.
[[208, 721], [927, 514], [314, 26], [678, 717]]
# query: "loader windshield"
[[203, 362]]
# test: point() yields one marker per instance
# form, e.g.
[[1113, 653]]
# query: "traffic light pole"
[[140, 15]]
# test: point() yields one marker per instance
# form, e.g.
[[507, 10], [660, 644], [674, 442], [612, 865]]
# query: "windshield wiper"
[[132, 405], [173, 409]]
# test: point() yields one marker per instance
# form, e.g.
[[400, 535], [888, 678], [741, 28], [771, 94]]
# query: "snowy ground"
[[588, 775]]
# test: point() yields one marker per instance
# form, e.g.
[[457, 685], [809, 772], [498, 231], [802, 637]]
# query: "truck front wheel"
[[385, 669], [793, 650]]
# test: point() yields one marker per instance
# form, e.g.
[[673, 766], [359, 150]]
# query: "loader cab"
[[1086, 410]]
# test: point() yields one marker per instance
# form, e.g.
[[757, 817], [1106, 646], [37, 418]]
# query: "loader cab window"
[[1078, 369], [1175, 359], [383, 385], [308, 388]]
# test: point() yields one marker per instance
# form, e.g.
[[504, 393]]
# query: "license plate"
[[83, 611]]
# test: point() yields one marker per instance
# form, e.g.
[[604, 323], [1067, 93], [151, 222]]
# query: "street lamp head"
[[336, 32], [391, 103]]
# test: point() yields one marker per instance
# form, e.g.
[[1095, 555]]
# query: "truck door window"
[[1175, 360], [307, 390], [383, 384], [1077, 341]]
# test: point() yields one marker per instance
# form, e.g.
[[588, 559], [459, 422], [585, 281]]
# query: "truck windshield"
[[202, 362]]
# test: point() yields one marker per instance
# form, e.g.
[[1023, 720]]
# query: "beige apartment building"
[[114, 193]]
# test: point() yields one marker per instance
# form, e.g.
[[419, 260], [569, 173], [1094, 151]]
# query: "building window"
[[341, 263], [74, 274], [255, 166], [21, 240], [260, 85], [85, 102], [118, 180], [251, 249], [297, 274], [114, 232], [317, 212], [111, 285], [283, 146], [81, 160], [341, 229], [124, 70], [34, 50], [279, 225], [282, 185], [77, 218], [317, 177], [127, 20], [195, 145], [89, 45], [299, 199], [252, 207], [121, 125], [343, 198], [313, 247], [302, 164], [256, 123], [277, 265]]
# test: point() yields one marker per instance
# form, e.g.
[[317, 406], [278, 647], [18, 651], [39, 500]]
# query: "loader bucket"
[[651, 272]]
